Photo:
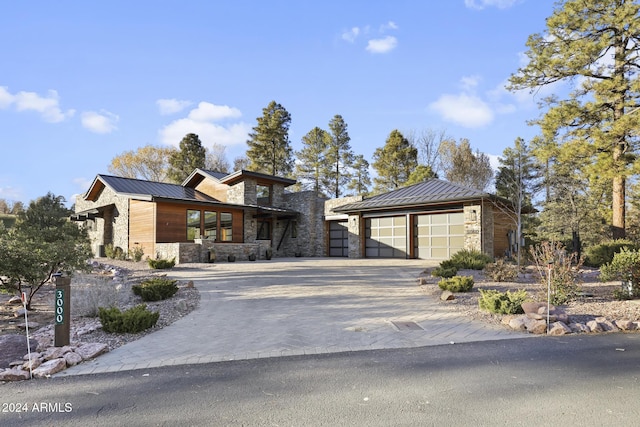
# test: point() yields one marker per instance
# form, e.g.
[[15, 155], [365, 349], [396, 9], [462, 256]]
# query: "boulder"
[[579, 328], [34, 364], [15, 300], [594, 326], [625, 325], [447, 296], [14, 375], [537, 327], [49, 368], [91, 350], [13, 347], [72, 358], [518, 323], [606, 325], [56, 352], [559, 328]]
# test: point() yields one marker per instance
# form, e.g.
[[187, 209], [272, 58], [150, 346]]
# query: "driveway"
[[297, 306]]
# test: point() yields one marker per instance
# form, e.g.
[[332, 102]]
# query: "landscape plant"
[[470, 259], [498, 302], [603, 253], [161, 264], [564, 272], [501, 271], [624, 266], [133, 320], [457, 284], [445, 269], [155, 289]]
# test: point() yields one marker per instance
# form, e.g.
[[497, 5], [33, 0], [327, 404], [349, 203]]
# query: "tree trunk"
[[618, 207]]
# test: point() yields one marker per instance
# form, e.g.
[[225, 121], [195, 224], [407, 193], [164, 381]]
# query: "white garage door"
[[386, 237], [438, 236]]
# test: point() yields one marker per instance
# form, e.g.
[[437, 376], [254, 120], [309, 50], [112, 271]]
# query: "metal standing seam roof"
[[141, 188], [428, 192]]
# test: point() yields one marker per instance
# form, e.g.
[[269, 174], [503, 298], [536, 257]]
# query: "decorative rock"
[[14, 375], [447, 296], [34, 355], [518, 323], [72, 358], [15, 300], [13, 346], [92, 350], [594, 326], [49, 368], [559, 328], [625, 325], [579, 327], [56, 352], [190, 284], [15, 363], [19, 312], [34, 364], [536, 326], [606, 325], [32, 325]]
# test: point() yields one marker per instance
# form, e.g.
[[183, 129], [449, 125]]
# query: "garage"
[[386, 237], [338, 239], [438, 236]]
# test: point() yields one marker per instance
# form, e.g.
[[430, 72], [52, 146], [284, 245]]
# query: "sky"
[[83, 82]]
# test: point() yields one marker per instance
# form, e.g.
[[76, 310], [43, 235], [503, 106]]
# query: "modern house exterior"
[[247, 213]]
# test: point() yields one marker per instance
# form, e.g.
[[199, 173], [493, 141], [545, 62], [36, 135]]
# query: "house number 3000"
[[59, 306]]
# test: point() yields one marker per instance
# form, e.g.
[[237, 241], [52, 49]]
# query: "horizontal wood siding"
[[214, 189], [502, 224], [171, 222], [142, 226]]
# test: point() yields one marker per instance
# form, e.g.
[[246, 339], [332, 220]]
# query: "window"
[[264, 229], [226, 227], [264, 195], [193, 224], [294, 229], [210, 225]]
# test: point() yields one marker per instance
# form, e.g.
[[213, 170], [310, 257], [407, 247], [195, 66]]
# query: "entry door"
[[386, 237], [338, 238], [438, 236]]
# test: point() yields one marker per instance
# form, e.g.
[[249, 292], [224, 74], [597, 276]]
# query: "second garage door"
[[438, 236], [386, 237]]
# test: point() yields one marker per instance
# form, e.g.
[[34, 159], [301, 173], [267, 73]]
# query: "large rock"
[[606, 324], [518, 323], [594, 326], [537, 327], [13, 347], [92, 350], [625, 325], [559, 328], [15, 300], [49, 368], [579, 328], [14, 375], [56, 352], [72, 358], [447, 296], [35, 362]]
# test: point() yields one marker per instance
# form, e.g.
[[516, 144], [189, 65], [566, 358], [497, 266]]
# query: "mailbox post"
[[62, 310]]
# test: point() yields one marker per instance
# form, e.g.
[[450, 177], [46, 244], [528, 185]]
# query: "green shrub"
[[624, 266], [134, 320], [598, 255], [457, 284], [501, 271], [161, 264], [156, 289], [470, 259], [502, 303], [137, 253], [564, 272], [446, 269], [114, 252]]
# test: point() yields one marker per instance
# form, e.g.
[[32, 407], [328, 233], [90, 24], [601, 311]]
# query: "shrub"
[[161, 264], [564, 274], [91, 293], [624, 266], [598, 255], [134, 320], [502, 303], [470, 259], [137, 253], [446, 269], [114, 252], [456, 284], [156, 289], [501, 271]]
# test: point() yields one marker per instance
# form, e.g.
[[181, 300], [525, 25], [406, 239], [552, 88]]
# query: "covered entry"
[[438, 235]]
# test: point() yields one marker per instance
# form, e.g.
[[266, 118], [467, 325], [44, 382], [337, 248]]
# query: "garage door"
[[386, 237], [438, 236], [338, 238]]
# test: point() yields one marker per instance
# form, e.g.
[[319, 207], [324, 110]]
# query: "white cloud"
[[469, 82], [171, 106], [48, 106], [383, 45], [351, 34], [463, 109], [482, 4], [388, 26], [102, 122], [204, 121]]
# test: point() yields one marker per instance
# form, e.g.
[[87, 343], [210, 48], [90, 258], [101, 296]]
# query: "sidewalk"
[[297, 306]]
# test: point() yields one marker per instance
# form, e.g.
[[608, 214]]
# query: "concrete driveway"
[[297, 306]]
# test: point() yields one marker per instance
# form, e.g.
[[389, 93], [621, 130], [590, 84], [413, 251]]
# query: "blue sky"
[[82, 82]]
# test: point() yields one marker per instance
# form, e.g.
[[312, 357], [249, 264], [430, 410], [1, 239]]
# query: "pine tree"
[[311, 165], [420, 174], [360, 179], [593, 46], [394, 162], [269, 148], [462, 166], [191, 155], [339, 157]]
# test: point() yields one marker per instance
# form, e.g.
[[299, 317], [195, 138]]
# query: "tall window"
[[264, 229], [210, 225], [193, 224], [264, 195], [226, 227]]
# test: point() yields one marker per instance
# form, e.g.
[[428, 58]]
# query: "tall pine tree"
[[269, 149], [339, 157], [191, 155], [394, 162], [594, 47], [360, 179], [311, 165], [462, 166]]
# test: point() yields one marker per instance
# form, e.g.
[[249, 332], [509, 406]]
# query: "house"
[[245, 212]]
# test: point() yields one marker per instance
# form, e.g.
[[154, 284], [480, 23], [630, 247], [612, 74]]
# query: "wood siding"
[[502, 224], [171, 221], [214, 189], [142, 226]]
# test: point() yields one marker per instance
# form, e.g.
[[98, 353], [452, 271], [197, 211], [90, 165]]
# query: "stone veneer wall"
[[473, 217], [310, 238], [353, 223], [115, 220], [199, 251]]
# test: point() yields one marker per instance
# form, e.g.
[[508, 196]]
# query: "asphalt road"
[[565, 381]]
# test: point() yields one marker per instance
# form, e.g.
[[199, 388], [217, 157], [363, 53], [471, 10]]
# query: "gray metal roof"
[[432, 191], [141, 188], [217, 175]]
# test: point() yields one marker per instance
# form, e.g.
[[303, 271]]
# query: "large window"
[[264, 229], [210, 225], [226, 227], [264, 195], [193, 224]]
